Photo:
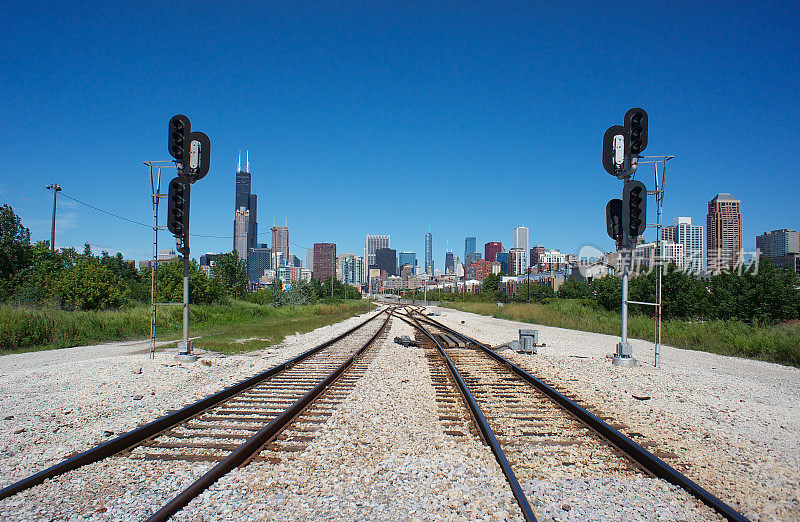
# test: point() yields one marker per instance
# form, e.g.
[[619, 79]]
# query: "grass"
[[218, 325], [780, 344]]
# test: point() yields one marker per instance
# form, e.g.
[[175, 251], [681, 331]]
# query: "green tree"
[[575, 290], [729, 297], [90, 286], [300, 293], [542, 292], [263, 297], [41, 280], [608, 292], [322, 290], [169, 284], [531, 290], [15, 251], [231, 272], [136, 282], [773, 293], [490, 288]]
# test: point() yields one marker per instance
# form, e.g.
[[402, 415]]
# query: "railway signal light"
[[616, 143], [179, 130], [634, 209], [199, 157], [614, 219], [178, 213], [636, 125]]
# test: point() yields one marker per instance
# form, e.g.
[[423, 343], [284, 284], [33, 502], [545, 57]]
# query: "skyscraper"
[[449, 263], [471, 258], [517, 258], [324, 260], [470, 246], [521, 243], [386, 259], [429, 253], [491, 249], [724, 232], [502, 258], [778, 243], [258, 260], [240, 228], [248, 201], [349, 268], [691, 237], [280, 245], [407, 258], [310, 258], [374, 242]]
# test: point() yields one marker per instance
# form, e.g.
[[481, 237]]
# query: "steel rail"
[[483, 425], [153, 428], [650, 462], [254, 444]]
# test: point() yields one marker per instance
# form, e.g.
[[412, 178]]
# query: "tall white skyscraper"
[[691, 237], [374, 242], [521, 243]]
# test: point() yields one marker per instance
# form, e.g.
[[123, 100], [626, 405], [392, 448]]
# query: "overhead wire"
[[151, 226]]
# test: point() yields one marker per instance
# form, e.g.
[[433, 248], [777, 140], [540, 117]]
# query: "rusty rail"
[[647, 460], [151, 429]]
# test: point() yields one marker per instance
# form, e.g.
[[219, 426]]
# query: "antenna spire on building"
[[247, 169], [239, 163]]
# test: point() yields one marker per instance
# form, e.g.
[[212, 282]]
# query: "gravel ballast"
[[732, 424]]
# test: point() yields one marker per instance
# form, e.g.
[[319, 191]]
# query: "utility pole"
[[56, 189]]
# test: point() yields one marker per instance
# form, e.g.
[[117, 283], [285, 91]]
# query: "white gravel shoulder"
[[733, 423], [57, 403]]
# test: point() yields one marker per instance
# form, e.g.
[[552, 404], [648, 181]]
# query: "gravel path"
[[59, 402], [733, 423]]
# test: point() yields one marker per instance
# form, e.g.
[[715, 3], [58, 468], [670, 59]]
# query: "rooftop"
[[724, 196]]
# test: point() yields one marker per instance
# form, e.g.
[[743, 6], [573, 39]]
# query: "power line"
[[151, 226], [105, 211]]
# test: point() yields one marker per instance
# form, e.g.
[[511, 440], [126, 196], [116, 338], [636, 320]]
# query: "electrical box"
[[528, 340]]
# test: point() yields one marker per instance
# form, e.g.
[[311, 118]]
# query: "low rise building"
[[650, 255], [778, 243], [479, 269]]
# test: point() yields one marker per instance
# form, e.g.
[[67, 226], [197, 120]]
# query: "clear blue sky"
[[392, 118]]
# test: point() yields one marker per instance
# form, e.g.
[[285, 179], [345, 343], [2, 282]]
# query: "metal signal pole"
[[192, 153]]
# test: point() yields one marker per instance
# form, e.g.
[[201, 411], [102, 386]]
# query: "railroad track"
[[267, 417], [535, 432]]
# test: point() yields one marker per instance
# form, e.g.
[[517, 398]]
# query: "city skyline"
[[455, 105], [520, 234]]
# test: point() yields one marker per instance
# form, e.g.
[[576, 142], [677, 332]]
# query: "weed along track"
[[171, 460]]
